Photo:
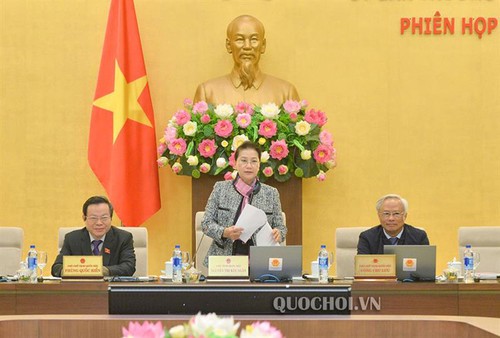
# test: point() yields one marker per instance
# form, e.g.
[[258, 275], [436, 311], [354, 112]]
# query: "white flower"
[[238, 140], [203, 325], [302, 128], [177, 331], [221, 162], [305, 155], [224, 111], [172, 122], [264, 156], [190, 128], [270, 110], [192, 160], [331, 164]]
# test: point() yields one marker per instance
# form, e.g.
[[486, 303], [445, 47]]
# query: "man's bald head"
[[233, 25]]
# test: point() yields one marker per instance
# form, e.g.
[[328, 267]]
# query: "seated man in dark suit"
[[392, 230], [99, 237]]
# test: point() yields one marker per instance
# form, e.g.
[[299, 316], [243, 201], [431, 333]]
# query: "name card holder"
[[228, 267], [82, 268], [376, 267]]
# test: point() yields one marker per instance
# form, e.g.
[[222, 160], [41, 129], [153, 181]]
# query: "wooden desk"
[[54, 298], [455, 299], [478, 299]]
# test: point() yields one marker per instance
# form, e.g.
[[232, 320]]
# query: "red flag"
[[122, 142]]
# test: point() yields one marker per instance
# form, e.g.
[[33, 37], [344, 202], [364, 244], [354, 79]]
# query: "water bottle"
[[177, 265], [323, 264], [32, 263], [468, 264]]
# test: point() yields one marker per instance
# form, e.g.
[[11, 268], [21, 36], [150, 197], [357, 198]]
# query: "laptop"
[[275, 263], [414, 262]]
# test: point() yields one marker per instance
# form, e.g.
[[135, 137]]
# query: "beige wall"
[[414, 115]]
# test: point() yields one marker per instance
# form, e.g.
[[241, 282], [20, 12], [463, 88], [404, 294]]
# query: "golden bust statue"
[[246, 82]]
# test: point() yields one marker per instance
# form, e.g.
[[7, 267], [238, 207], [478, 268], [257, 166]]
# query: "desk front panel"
[[233, 299], [407, 298], [62, 298]]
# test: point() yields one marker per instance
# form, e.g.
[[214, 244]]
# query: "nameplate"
[[82, 267], [228, 266], [375, 266]]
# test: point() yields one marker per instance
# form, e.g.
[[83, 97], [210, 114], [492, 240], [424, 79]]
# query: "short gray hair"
[[389, 197]]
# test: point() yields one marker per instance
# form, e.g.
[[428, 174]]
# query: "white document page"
[[265, 236], [251, 218]]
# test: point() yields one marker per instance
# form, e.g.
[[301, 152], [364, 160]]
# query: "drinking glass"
[[41, 261], [186, 260]]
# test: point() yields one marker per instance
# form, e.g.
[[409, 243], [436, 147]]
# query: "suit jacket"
[[223, 206], [372, 241], [118, 253]]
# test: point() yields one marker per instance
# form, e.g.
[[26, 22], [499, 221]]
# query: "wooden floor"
[[93, 326]]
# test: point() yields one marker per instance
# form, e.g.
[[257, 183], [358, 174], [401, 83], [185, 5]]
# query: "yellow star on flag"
[[123, 101]]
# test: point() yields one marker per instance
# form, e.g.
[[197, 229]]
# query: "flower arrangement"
[[202, 326], [202, 139]]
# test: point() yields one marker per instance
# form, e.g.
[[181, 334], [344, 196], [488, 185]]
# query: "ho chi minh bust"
[[246, 83]]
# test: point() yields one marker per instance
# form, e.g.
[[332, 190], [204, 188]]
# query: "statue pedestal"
[[290, 195]]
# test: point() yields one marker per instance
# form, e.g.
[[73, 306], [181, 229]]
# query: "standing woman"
[[227, 200]]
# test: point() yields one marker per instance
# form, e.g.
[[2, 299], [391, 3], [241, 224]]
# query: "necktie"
[[393, 240], [96, 244]]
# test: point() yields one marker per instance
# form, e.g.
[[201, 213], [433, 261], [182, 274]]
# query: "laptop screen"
[[275, 263], [414, 262]]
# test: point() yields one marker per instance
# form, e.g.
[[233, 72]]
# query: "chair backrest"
[[346, 247], [140, 235], [486, 241], [203, 242], [11, 249]]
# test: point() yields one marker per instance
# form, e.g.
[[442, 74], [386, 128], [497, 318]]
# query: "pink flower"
[[207, 148], [294, 116], [177, 146], [161, 148], [321, 176], [262, 329], [182, 117], [223, 128], [228, 176], [162, 161], [316, 116], [243, 120], [146, 330], [200, 107], [170, 134], [267, 128], [205, 168], [205, 118], [304, 103], [268, 171], [282, 169], [243, 108], [322, 154], [326, 138], [292, 106], [188, 102], [177, 167], [232, 161], [278, 149]]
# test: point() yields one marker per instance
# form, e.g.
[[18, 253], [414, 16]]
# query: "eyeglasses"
[[396, 214], [94, 219], [245, 162]]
